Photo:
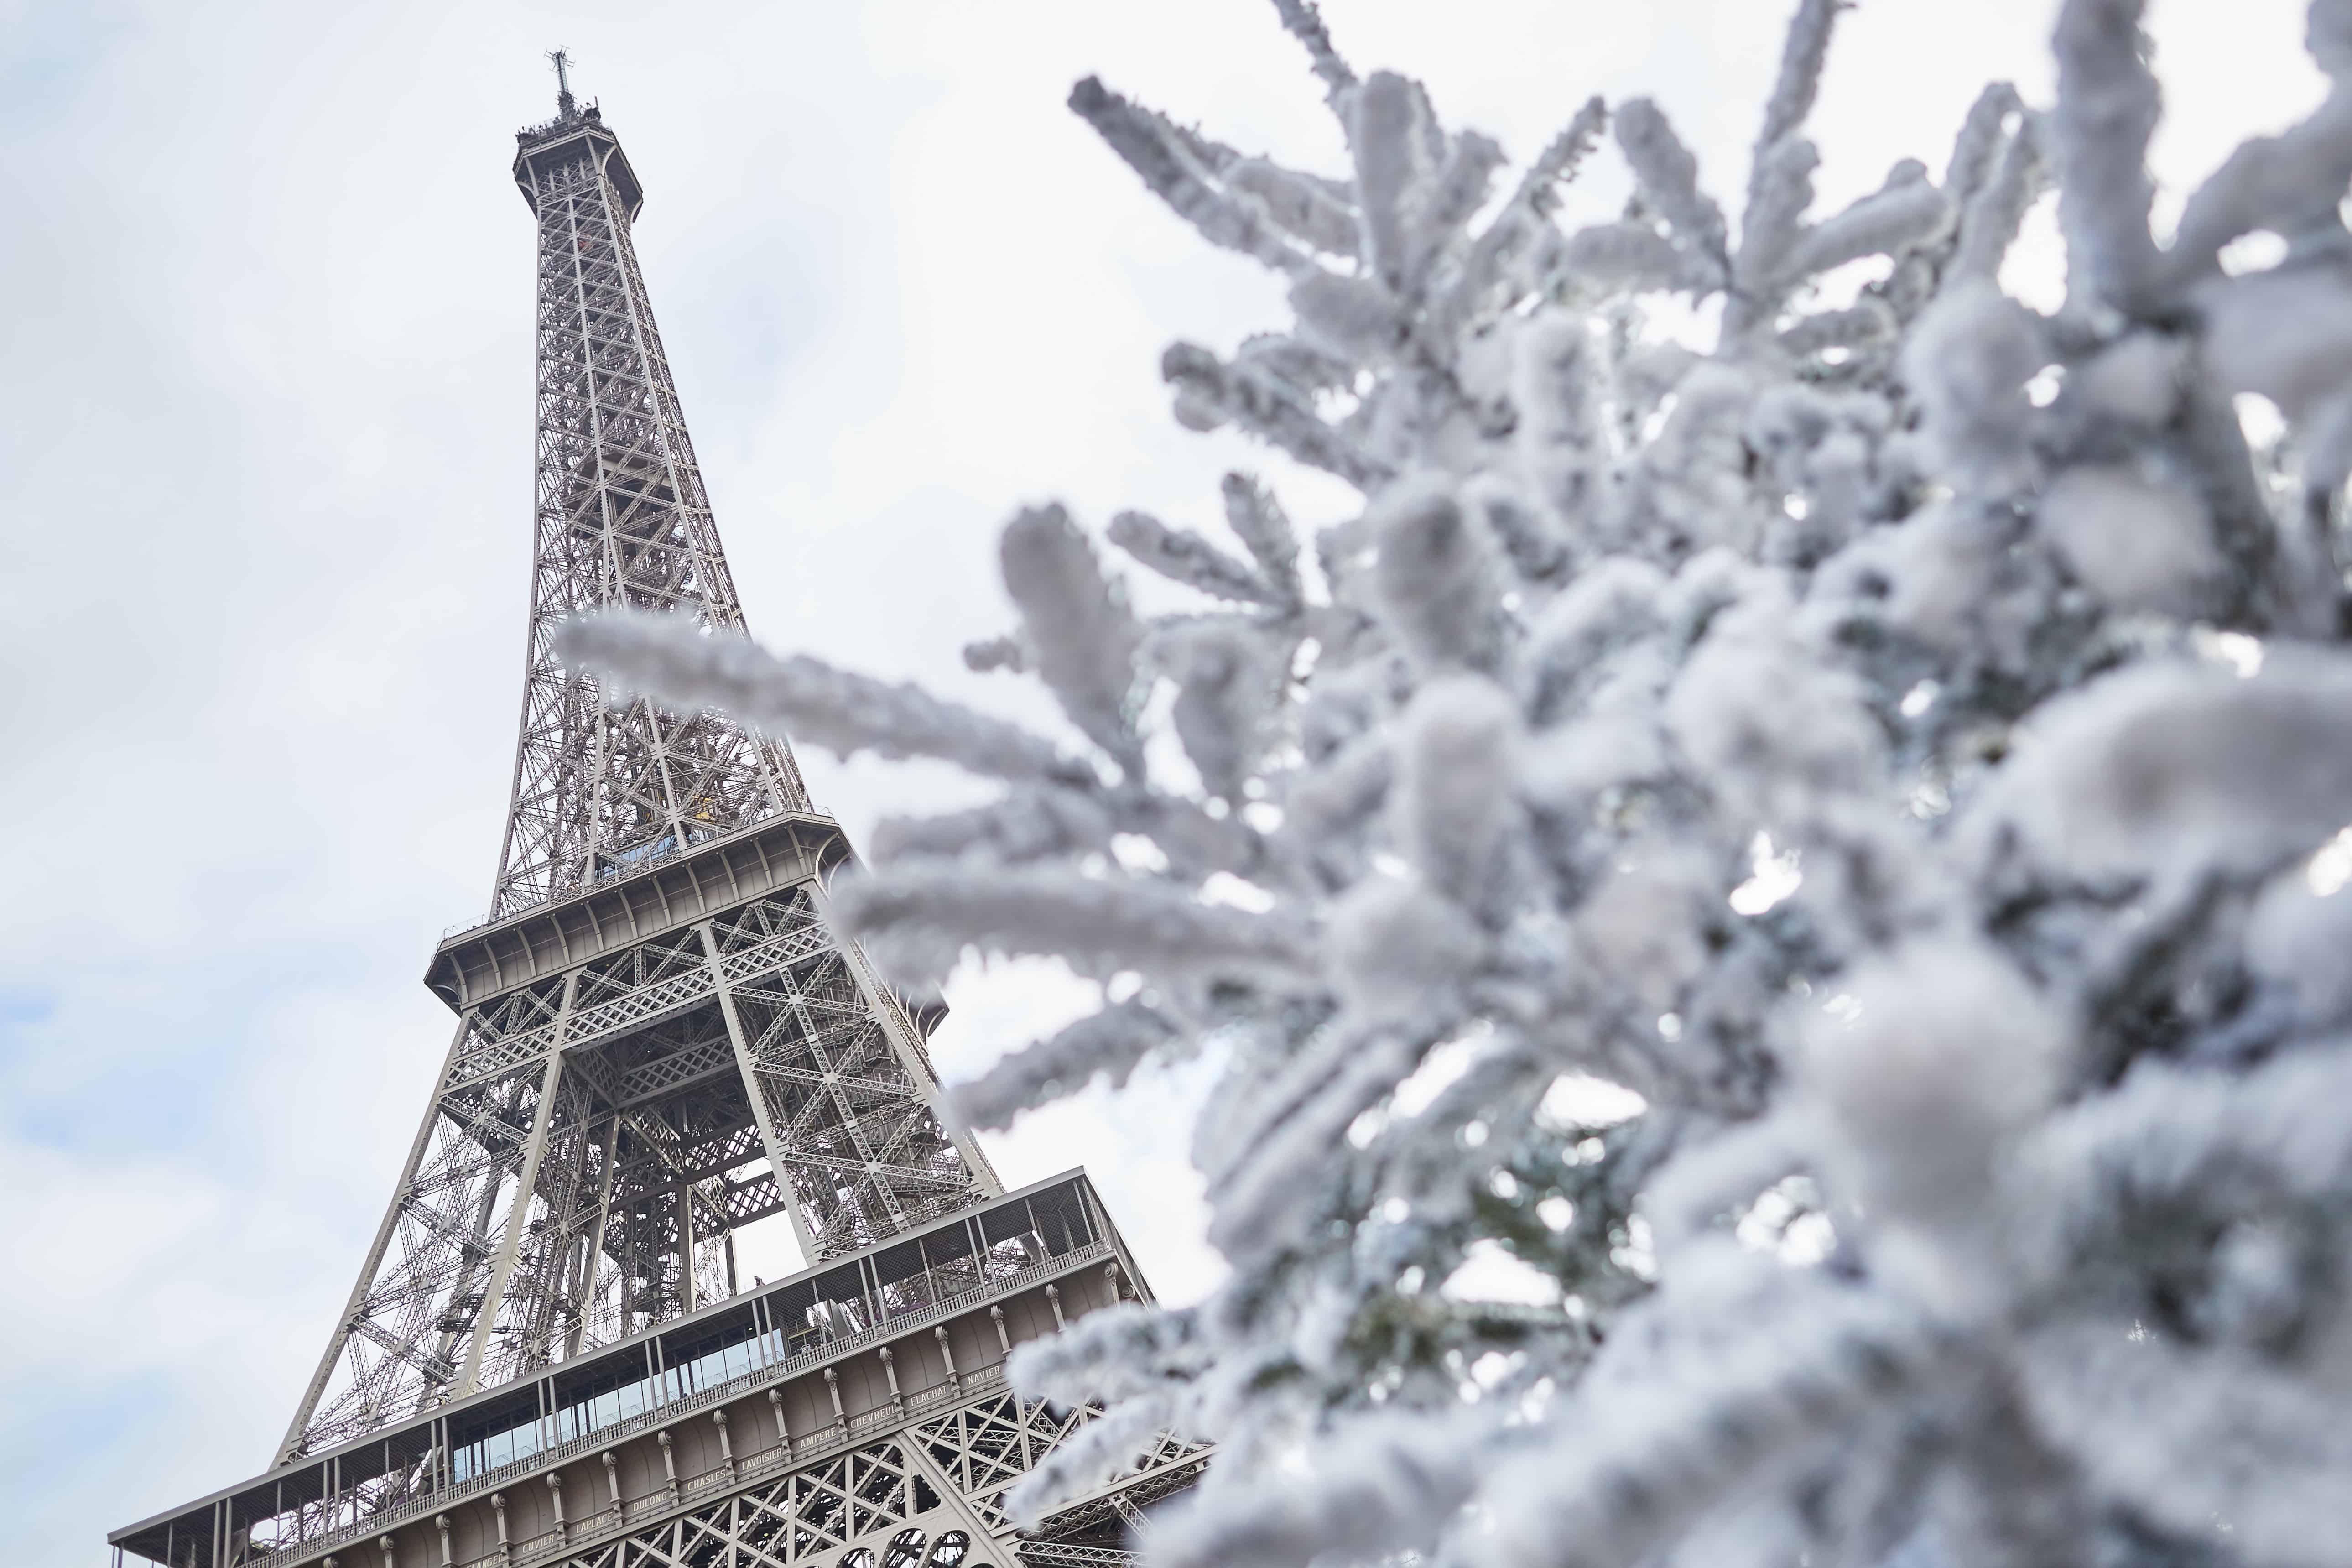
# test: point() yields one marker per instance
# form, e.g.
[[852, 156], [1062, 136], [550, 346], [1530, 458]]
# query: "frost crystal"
[[1769, 911]]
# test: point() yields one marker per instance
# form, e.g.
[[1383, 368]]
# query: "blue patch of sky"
[[48, 52], [736, 313], [21, 1005], [143, 1065]]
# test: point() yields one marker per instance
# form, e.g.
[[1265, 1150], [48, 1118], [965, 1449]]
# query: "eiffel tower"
[[550, 1355]]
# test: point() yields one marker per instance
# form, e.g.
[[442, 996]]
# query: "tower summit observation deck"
[[549, 1355]]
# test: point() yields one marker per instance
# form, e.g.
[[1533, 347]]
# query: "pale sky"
[[266, 422]]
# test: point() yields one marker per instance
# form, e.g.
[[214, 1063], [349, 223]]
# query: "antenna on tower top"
[[562, 58]]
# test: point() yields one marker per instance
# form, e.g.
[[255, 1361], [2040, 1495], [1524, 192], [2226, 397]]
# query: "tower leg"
[[526, 1189], [316, 1387], [912, 1057], [762, 1115]]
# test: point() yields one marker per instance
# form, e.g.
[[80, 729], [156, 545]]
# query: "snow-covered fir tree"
[[1820, 833]]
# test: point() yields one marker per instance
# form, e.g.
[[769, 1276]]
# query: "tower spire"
[[562, 62]]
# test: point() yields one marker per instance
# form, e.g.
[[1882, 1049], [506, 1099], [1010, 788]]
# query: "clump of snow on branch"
[[1818, 853]]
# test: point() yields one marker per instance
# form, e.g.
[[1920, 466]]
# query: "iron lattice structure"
[[622, 520], [619, 1104], [550, 1360]]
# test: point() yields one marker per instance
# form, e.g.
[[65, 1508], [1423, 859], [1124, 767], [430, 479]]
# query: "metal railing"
[[612, 875], [609, 1523], [814, 1445], [1053, 1553]]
